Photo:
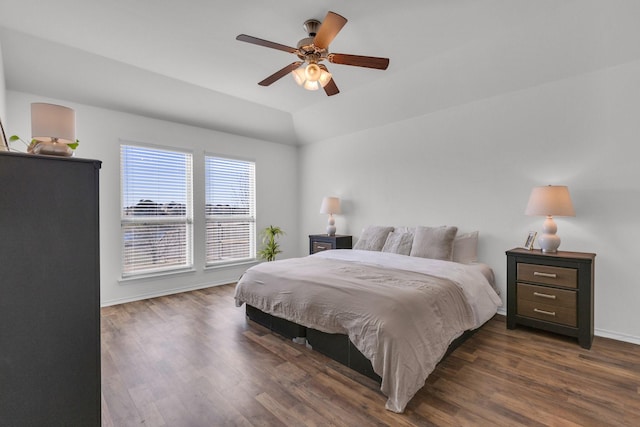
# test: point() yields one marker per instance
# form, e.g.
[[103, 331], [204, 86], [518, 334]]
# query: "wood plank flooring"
[[193, 359]]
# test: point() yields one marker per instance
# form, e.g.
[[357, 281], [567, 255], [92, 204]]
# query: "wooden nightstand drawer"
[[323, 242], [550, 313], [322, 246], [548, 296], [548, 275]]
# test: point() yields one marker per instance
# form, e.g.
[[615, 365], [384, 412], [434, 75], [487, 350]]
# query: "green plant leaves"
[[270, 248]]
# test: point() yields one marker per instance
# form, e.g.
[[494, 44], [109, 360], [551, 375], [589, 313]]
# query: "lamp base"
[[52, 149], [331, 228], [549, 240], [549, 243]]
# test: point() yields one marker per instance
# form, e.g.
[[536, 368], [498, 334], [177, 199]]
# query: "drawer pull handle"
[[548, 313], [541, 274], [538, 294]]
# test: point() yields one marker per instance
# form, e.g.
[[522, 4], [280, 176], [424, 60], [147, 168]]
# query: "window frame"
[[186, 219], [250, 219]]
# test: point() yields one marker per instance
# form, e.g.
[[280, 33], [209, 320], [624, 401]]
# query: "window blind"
[[156, 219], [230, 210]]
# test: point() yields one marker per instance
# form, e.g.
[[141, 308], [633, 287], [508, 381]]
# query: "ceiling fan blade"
[[265, 43], [280, 73], [330, 27], [330, 88], [359, 61]]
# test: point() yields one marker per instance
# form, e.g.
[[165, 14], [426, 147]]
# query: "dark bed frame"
[[336, 346]]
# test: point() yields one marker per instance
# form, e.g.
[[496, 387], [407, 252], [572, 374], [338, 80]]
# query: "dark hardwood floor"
[[193, 359]]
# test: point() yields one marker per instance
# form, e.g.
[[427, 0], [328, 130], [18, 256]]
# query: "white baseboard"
[[599, 332], [162, 293], [617, 336]]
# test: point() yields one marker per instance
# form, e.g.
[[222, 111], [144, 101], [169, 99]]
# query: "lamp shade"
[[551, 200], [330, 205], [51, 122]]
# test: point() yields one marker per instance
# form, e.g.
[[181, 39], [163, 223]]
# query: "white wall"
[[474, 165], [3, 93], [99, 131]]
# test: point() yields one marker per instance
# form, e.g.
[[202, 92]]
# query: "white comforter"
[[401, 312]]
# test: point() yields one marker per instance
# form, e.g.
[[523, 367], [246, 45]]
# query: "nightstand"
[[324, 242], [551, 291]]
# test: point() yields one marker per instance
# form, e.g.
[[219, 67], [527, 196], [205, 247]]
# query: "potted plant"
[[270, 247]]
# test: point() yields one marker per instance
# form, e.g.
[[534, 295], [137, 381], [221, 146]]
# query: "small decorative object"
[[548, 201], [330, 205], [528, 244], [270, 247], [53, 128]]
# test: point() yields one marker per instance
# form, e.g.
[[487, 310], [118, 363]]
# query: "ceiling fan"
[[314, 49]]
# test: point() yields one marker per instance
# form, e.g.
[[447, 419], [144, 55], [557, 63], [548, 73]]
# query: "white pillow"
[[373, 238], [410, 230], [465, 248], [434, 242], [398, 243]]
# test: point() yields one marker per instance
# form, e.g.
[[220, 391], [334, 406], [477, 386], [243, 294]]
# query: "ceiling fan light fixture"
[[312, 72], [311, 77], [325, 77]]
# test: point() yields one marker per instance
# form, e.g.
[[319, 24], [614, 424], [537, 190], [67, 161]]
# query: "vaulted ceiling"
[[179, 61]]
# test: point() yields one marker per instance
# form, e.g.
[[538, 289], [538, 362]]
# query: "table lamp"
[[330, 205], [53, 126], [548, 201]]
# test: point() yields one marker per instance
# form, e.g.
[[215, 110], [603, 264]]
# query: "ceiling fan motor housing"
[[307, 51], [311, 27]]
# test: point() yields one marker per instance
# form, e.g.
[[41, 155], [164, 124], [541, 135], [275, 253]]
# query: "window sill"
[[231, 264], [159, 274]]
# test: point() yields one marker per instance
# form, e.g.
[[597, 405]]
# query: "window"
[[230, 210], [156, 219]]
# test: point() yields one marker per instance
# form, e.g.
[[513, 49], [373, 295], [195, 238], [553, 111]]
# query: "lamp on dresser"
[[330, 205], [53, 127], [550, 201]]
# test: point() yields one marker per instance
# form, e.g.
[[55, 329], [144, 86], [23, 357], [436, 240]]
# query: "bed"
[[388, 315]]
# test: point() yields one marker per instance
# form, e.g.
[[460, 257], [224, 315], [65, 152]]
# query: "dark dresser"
[[49, 291]]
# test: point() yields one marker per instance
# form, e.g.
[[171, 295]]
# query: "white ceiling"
[[179, 60]]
